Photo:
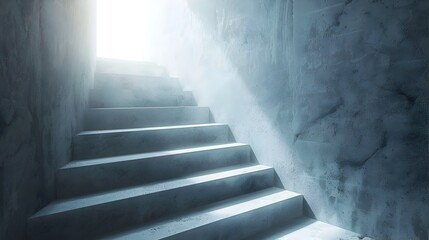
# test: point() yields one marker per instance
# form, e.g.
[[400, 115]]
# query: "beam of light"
[[124, 28]]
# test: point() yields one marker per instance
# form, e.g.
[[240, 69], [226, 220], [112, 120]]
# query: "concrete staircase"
[[152, 165]]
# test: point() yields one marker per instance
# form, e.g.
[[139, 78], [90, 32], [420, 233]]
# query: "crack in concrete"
[[330, 111], [410, 99], [360, 164], [337, 18]]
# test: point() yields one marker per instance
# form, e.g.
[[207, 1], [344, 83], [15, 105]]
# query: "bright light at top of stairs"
[[123, 27]]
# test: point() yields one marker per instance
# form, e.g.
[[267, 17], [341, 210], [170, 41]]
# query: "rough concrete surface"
[[46, 65]]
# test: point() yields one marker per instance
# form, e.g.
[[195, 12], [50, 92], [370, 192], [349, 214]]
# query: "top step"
[[116, 66]]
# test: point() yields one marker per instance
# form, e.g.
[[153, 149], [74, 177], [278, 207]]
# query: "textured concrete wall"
[[46, 58], [333, 94], [370, 58]]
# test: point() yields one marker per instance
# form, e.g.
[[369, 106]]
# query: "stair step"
[[106, 65], [139, 117], [90, 176], [232, 219], [105, 143], [114, 81], [138, 98], [91, 215], [309, 229]]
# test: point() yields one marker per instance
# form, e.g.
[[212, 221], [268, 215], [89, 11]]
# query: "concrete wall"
[[46, 63], [333, 94], [371, 59]]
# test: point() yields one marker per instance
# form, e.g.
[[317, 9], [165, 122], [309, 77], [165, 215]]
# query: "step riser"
[[105, 81], [132, 98], [83, 180], [247, 224], [89, 222], [121, 143], [104, 119]]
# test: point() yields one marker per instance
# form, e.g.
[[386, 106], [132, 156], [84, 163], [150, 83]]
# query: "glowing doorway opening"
[[123, 29]]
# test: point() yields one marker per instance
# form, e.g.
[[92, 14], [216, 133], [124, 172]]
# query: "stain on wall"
[[333, 94], [46, 69]]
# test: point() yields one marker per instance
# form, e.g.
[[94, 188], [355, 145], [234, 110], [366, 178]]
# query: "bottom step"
[[309, 229], [236, 218]]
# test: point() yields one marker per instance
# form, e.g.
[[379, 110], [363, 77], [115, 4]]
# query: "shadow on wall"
[[332, 94]]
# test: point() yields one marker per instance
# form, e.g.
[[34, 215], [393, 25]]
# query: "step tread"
[[217, 212], [117, 195], [147, 108], [309, 229], [143, 117], [131, 157], [138, 98], [135, 75], [84, 133]]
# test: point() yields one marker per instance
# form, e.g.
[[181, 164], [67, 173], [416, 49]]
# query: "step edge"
[[302, 223], [149, 155], [134, 75], [240, 170], [146, 108], [285, 195], [126, 130]]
